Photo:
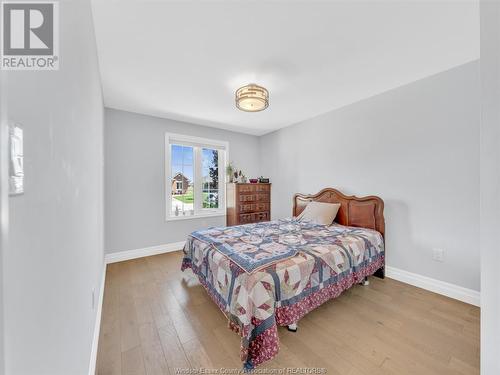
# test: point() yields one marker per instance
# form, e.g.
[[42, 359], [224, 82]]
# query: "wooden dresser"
[[248, 203]]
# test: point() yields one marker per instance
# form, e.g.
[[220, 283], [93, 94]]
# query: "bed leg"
[[380, 273], [293, 327], [365, 281]]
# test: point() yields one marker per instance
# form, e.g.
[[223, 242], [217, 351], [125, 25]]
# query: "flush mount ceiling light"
[[252, 98]]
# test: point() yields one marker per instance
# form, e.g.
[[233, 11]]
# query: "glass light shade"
[[252, 98]]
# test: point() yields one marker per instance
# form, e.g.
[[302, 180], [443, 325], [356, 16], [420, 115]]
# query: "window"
[[195, 172]]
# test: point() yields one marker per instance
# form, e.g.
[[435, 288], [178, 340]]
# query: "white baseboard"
[[97, 325], [433, 285], [120, 256]]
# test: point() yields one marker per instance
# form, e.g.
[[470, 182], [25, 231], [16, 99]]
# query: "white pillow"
[[320, 213]]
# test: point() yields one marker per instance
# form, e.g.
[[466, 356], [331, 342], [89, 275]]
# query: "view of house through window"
[[182, 167], [196, 179]]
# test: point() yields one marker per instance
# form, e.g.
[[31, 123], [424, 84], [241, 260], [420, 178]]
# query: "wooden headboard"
[[366, 212]]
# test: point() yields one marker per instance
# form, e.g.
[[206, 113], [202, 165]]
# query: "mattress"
[[271, 274]]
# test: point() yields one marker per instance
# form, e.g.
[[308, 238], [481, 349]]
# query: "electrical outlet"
[[93, 298], [438, 255]]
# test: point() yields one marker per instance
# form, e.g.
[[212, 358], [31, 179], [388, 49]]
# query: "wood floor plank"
[[129, 329], [155, 362], [110, 333], [182, 324], [133, 362], [196, 354], [172, 348], [157, 319]]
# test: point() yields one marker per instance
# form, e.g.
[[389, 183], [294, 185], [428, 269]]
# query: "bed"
[[271, 274]]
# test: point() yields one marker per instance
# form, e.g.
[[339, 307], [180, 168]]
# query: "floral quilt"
[[268, 274], [259, 245]]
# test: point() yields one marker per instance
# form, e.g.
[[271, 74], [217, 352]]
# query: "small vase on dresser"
[[248, 203]]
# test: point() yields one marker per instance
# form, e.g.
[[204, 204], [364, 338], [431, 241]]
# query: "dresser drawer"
[[262, 188], [254, 218], [254, 208], [246, 218], [247, 188], [261, 216], [261, 207], [249, 207], [248, 198], [262, 197]]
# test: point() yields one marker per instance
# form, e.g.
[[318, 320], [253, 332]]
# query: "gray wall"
[[135, 178], [490, 187], [4, 203], [54, 256], [417, 147]]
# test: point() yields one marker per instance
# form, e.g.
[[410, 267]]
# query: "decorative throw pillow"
[[320, 213]]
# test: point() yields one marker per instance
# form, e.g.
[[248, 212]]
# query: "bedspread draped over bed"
[[268, 274]]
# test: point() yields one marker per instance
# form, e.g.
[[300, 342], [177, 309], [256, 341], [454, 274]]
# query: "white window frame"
[[197, 143]]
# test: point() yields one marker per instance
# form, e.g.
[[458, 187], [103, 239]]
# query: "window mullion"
[[222, 180]]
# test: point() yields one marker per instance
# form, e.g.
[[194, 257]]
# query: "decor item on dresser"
[[263, 180], [247, 203], [253, 180], [230, 171], [243, 179], [234, 174]]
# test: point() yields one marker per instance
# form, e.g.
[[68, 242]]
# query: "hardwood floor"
[[156, 319]]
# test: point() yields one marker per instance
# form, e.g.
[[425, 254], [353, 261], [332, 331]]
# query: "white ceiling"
[[184, 59]]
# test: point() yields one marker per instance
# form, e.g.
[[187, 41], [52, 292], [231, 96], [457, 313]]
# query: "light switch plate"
[[438, 255], [16, 160]]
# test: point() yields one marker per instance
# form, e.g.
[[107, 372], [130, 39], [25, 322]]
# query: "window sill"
[[193, 217]]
